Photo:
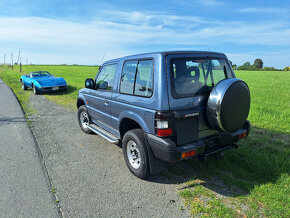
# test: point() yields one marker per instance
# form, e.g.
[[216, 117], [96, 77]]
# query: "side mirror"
[[103, 85], [89, 83]]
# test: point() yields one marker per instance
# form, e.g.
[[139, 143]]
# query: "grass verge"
[[254, 180]]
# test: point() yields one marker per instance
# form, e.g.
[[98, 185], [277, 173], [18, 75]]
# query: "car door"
[[100, 98], [27, 80]]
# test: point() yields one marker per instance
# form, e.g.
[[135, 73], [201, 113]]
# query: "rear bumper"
[[167, 150]]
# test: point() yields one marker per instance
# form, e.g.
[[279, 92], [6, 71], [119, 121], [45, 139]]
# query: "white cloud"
[[262, 10], [118, 33]]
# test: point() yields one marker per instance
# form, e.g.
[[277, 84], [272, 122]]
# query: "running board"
[[104, 133]]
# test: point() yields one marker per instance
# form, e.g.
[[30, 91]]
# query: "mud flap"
[[156, 165]]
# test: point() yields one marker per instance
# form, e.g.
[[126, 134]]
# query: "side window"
[[107, 74], [128, 77], [137, 78], [144, 78]]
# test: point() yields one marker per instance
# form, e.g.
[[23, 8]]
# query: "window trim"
[[153, 71], [98, 73], [174, 94]]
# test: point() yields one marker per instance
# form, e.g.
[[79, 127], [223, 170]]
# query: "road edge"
[[41, 160]]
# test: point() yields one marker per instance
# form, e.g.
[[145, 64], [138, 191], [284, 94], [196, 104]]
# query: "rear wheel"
[[35, 90], [135, 153], [23, 86], [84, 119]]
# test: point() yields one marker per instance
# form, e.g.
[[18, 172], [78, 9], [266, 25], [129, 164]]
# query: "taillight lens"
[[164, 124], [164, 132], [161, 124], [188, 154], [243, 135]]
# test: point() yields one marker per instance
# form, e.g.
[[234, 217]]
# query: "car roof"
[[165, 53]]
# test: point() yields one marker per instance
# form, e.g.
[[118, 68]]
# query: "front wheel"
[[135, 153], [84, 119], [35, 90], [23, 86]]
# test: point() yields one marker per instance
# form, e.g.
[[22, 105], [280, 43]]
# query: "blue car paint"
[[142, 109], [41, 82]]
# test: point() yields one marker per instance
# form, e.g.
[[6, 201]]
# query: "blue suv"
[[167, 106]]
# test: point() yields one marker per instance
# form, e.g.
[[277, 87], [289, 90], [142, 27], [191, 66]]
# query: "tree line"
[[258, 65]]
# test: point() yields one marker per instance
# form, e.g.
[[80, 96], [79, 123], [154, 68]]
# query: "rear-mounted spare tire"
[[228, 105]]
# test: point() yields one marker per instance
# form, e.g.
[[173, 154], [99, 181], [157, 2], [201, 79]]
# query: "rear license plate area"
[[186, 129]]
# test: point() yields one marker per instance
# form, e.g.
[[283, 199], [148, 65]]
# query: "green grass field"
[[74, 75], [259, 170]]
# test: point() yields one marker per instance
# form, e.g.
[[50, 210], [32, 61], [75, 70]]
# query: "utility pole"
[[20, 65], [4, 58], [12, 61], [26, 61], [18, 57]]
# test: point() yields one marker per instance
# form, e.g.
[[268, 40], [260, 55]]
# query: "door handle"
[[106, 103]]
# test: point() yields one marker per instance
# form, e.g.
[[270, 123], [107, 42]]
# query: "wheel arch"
[[80, 102], [129, 121]]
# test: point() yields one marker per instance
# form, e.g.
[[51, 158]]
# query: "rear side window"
[[144, 78], [128, 77], [137, 78], [107, 74]]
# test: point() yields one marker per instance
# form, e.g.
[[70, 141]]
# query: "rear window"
[[192, 76]]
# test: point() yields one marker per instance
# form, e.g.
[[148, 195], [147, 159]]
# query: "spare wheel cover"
[[228, 105]]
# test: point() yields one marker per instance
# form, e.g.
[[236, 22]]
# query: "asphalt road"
[[90, 175], [24, 184]]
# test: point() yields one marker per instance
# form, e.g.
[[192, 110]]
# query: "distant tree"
[[270, 69], [258, 63], [234, 66], [245, 66], [287, 68]]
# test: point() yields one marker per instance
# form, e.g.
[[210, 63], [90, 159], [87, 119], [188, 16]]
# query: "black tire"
[[82, 109], [137, 136], [23, 86], [35, 90]]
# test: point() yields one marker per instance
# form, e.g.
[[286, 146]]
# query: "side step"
[[104, 133]]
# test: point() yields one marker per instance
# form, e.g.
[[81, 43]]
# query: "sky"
[[92, 31]]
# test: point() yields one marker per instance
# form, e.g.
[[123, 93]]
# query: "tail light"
[[188, 154], [164, 124], [243, 135]]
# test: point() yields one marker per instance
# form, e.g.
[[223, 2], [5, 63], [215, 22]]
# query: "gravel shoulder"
[[90, 175], [24, 184]]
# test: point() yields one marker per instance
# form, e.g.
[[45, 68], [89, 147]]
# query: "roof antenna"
[[103, 59]]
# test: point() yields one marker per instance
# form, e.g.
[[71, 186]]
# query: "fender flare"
[[82, 98], [135, 117]]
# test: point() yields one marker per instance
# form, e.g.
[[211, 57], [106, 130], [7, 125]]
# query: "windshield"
[[191, 76], [40, 73]]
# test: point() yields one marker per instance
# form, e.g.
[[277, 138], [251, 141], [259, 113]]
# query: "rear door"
[[99, 106], [191, 79]]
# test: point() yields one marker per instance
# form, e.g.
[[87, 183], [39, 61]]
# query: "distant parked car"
[[42, 81]]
